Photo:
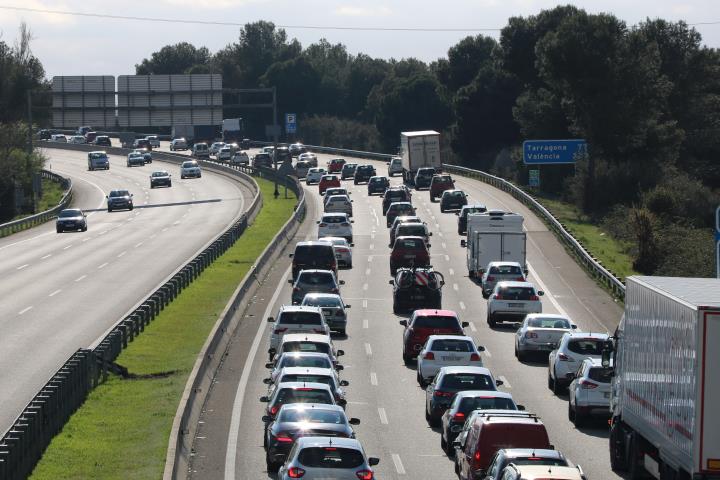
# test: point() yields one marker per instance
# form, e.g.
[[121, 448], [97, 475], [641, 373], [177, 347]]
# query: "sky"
[[78, 45]]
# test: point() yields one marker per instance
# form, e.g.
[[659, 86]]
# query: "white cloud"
[[211, 4], [352, 11], [34, 18]]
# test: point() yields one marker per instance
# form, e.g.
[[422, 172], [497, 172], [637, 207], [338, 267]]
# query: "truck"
[[493, 236], [196, 133], [666, 384], [232, 130], [417, 150]]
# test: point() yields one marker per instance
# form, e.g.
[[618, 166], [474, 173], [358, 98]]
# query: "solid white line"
[[368, 350], [54, 293], [121, 254], [383, 416], [462, 306], [234, 433], [24, 310], [23, 266], [398, 464], [549, 295], [46, 256], [506, 384], [373, 379], [473, 327], [69, 246], [366, 324], [103, 265], [80, 278], [487, 352]]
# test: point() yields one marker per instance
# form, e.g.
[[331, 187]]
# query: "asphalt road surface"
[[61, 292], [383, 392]]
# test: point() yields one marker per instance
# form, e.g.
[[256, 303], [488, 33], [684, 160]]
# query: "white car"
[[339, 203], [333, 309], [573, 349], [590, 391], [308, 342], [511, 301], [295, 319], [314, 175], [499, 272], [153, 140], [299, 359], [315, 458], [446, 351], [76, 139], [308, 157], [224, 154], [240, 158], [58, 138], [541, 332], [335, 225], [178, 144], [395, 166], [215, 147], [190, 169], [342, 248]]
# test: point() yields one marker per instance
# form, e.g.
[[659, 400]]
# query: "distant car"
[[71, 219], [328, 181], [296, 149], [511, 301], [224, 154], [135, 159], [333, 309], [245, 144], [464, 212], [440, 183], [119, 199], [377, 185], [76, 139], [301, 169], [336, 165], [348, 170], [452, 200], [574, 347], [295, 319], [190, 168], [178, 144], [262, 160], [402, 219], [142, 143], [541, 332], [215, 147], [98, 159], [342, 248], [590, 391], [335, 225], [160, 178], [426, 322], [308, 374], [451, 380], [423, 176], [395, 166], [363, 173], [240, 158], [397, 209], [90, 137], [58, 138], [523, 456], [409, 252], [296, 392], [314, 281], [153, 140], [145, 153], [327, 457], [308, 157], [395, 194], [45, 134], [410, 229], [446, 351], [83, 130], [339, 203], [314, 175], [103, 141], [336, 191], [200, 150], [500, 272]]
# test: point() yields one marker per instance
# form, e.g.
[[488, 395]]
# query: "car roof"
[[306, 354], [484, 393], [474, 205], [508, 283], [411, 237], [339, 196], [572, 335], [335, 239], [298, 308], [316, 270], [312, 406], [313, 385], [310, 442], [306, 370], [429, 311], [524, 452], [548, 315], [547, 472], [307, 337], [465, 369], [450, 337], [323, 295]]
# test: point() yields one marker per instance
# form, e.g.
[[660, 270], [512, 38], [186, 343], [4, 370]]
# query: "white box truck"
[[666, 385], [418, 150], [494, 236], [232, 130]]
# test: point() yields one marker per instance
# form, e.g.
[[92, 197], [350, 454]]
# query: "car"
[[119, 199], [160, 178], [307, 342], [295, 319], [409, 252], [45, 134], [58, 138], [308, 157], [590, 391], [397, 209], [333, 309], [215, 147], [511, 301], [343, 250], [142, 143], [233, 146], [417, 287], [313, 254], [245, 144], [145, 153], [240, 158], [71, 219], [395, 166], [296, 149], [83, 130], [541, 332], [403, 219], [348, 171], [446, 351], [263, 160], [523, 456], [336, 165], [395, 194], [135, 159], [178, 144], [363, 173], [338, 203], [90, 137], [314, 281], [298, 420], [450, 380], [423, 176], [410, 229], [540, 472], [297, 392], [335, 225], [269, 149], [98, 159], [200, 150], [224, 154], [336, 191], [464, 212], [463, 404], [299, 359], [314, 175], [153, 140], [500, 272], [452, 200], [377, 185], [574, 347], [301, 169], [327, 181], [76, 139], [440, 183], [316, 458], [426, 322], [190, 168], [328, 376]]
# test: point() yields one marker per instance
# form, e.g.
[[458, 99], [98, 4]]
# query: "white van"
[[200, 150], [493, 236]]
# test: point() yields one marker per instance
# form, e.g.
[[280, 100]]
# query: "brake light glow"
[[295, 472], [531, 335], [497, 296], [323, 225], [564, 358], [587, 384], [429, 356], [474, 357], [476, 459], [274, 409], [296, 289], [330, 449], [438, 393], [284, 438], [365, 474], [534, 298], [334, 290], [459, 417], [520, 279]]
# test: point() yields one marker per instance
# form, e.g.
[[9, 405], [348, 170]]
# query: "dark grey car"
[[119, 199], [71, 219]]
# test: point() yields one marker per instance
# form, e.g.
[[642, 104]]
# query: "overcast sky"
[[74, 45]]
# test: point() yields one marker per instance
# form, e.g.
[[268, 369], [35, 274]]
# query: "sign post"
[[534, 178], [290, 123], [717, 242], [553, 152]]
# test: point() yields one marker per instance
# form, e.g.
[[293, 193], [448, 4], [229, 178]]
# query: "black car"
[[378, 185], [423, 177], [102, 140], [142, 143], [392, 195], [282, 154], [452, 200], [262, 160], [415, 288], [245, 144], [160, 178], [71, 219], [44, 134], [119, 199], [348, 170], [463, 214], [363, 173]]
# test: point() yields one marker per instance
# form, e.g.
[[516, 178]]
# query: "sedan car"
[[590, 391], [335, 225], [339, 203], [328, 181], [541, 332], [511, 301], [314, 281], [160, 178], [119, 199], [316, 458], [335, 165], [314, 175], [178, 144], [397, 209], [71, 219], [500, 272], [363, 173], [343, 250], [240, 158], [451, 380], [348, 170], [523, 456], [302, 168], [296, 392], [452, 200], [146, 154], [135, 160], [297, 149], [446, 351], [102, 140], [574, 347], [262, 160], [333, 309], [215, 147], [426, 322], [336, 191], [377, 185], [191, 168], [299, 420]]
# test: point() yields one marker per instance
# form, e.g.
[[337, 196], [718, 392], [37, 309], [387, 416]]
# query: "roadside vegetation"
[[122, 430]]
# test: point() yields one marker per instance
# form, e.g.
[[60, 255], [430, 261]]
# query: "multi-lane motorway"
[[61, 292], [383, 392]]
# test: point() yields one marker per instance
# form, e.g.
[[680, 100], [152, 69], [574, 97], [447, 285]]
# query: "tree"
[[180, 58], [297, 83], [331, 62], [465, 59]]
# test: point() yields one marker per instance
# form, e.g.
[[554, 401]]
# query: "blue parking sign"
[[290, 123]]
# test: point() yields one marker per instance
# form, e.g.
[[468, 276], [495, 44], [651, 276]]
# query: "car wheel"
[[556, 385], [59, 230], [491, 320], [152, 186], [109, 209], [420, 380], [571, 413], [618, 459], [443, 443], [169, 184], [131, 208], [550, 382], [521, 356], [182, 177], [578, 418], [442, 210], [84, 229], [407, 358]]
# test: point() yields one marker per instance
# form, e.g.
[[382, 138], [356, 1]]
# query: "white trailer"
[[666, 388], [494, 236], [419, 150]]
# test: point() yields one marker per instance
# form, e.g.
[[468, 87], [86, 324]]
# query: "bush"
[[686, 251], [681, 198]]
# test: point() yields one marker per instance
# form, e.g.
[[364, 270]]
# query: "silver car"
[[574, 347], [339, 203], [295, 320], [342, 248], [590, 391], [190, 169], [541, 332], [333, 309], [314, 281], [315, 458], [500, 272]]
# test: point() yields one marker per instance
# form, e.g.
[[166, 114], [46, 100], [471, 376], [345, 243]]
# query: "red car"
[[439, 184], [328, 181], [409, 252], [424, 323], [335, 165]]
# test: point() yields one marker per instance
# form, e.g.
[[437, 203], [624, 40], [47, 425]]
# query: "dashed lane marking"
[[383, 416], [368, 350], [25, 310], [23, 266], [451, 271], [473, 327], [80, 278], [103, 265], [366, 323], [373, 379], [46, 256], [462, 306], [398, 464], [54, 293]]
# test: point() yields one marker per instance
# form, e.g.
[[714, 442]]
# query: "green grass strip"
[[52, 193], [122, 430]]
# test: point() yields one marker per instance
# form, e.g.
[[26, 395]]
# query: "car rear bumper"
[[593, 409], [537, 347]]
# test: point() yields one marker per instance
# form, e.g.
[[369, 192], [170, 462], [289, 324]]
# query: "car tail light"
[[323, 225], [438, 393], [564, 358], [520, 279], [284, 438], [497, 296], [474, 357], [279, 330], [334, 290], [534, 298], [491, 278], [296, 289], [476, 459], [345, 224], [429, 356], [365, 474], [319, 330], [587, 384], [459, 417], [343, 250], [531, 335], [295, 472], [274, 409]]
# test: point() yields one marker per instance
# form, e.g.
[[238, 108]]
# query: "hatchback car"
[[500, 272], [541, 332], [319, 458], [397, 209], [426, 322], [145, 153], [71, 219], [135, 159], [307, 342], [190, 169], [297, 149], [539, 472], [452, 200], [224, 154], [178, 144], [160, 178], [309, 374], [314, 175], [395, 194], [574, 347], [336, 191], [451, 380], [335, 225], [240, 158], [409, 252], [339, 203], [291, 319], [348, 170], [410, 229], [403, 219], [395, 166], [423, 177], [119, 199], [327, 181], [103, 141], [201, 150], [464, 212], [215, 147], [446, 351], [262, 160], [511, 301], [296, 392], [440, 183], [363, 173], [333, 309], [90, 137], [308, 157], [523, 456], [314, 281], [590, 391], [154, 141], [343, 250], [377, 185], [336, 165], [316, 254], [299, 359]]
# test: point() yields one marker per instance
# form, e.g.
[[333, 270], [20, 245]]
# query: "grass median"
[[122, 430]]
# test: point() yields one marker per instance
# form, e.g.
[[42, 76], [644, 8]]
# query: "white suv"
[[190, 169], [446, 351], [590, 391], [511, 301], [292, 319], [574, 347], [335, 225]]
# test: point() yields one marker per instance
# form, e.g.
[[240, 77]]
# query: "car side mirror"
[[270, 319], [463, 243], [573, 326], [342, 282], [265, 399], [354, 421], [290, 281], [403, 323], [465, 324], [352, 221], [499, 382], [352, 201], [290, 255], [540, 293], [428, 245], [267, 418], [348, 306], [480, 348], [318, 222], [457, 214], [352, 244], [342, 402], [272, 352], [267, 381], [132, 194], [339, 367], [520, 407], [570, 376], [270, 365], [390, 246], [344, 383], [429, 234], [340, 353], [391, 282], [106, 196], [372, 461]]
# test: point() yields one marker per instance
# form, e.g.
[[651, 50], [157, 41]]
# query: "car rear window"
[[466, 381], [411, 230], [402, 208], [548, 323], [312, 415], [308, 378], [601, 374], [316, 278], [443, 178], [316, 347], [409, 243], [455, 194], [334, 219], [322, 302], [506, 270], [586, 346], [312, 253], [305, 361], [452, 346], [300, 318], [331, 457], [517, 293], [303, 395], [435, 321], [485, 403]]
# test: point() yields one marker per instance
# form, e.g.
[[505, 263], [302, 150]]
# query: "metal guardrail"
[[24, 443], [33, 220]]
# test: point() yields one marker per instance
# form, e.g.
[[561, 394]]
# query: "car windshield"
[[305, 346], [486, 403], [548, 322], [411, 230], [305, 361], [119, 193], [426, 172], [349, 166], [316, 278], [331, 457], [409, 243], [466, 381], [517, 293], [303, 395], [70, 213], [312, 415], [435, 321], [586, 346], [601, 374], [452, 346], [300, 318], [505, 270], [402, 208], [378, 180], [310, 253], [455, 194], [160, 174], [308, 378], [322, 301]]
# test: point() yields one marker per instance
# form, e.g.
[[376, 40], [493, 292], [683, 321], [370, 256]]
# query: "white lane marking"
[[372, 246], [80, 278], [23, 266], [366, 324], [506, 384], [548, 295], [368, 350], [103, 232], [234, 433], [451, 271], [86, 239], [398, 464], [370, 258], [24, 310], [462, 306], [138, 244], [177, 222], [164, 229], [455, 287], [383, 416], [373, 379], [103, 265], [364, 303], [121, 254], [46, 256], [365, 286], [473, 327], [367, 271], [69, 246], [444, 245], [153, 235], [55, 293], [447, 258]]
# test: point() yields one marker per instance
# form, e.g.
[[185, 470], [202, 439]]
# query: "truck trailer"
[[196, 133], [232, 130], [418, 150], [494, 236], [666, 384]]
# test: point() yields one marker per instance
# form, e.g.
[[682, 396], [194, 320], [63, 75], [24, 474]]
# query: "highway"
[[383, 392], [61, 292]]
